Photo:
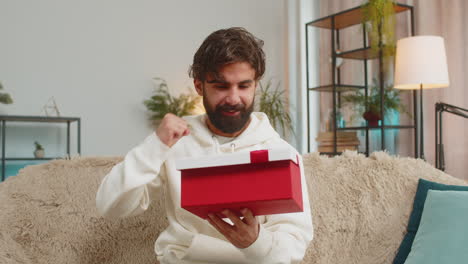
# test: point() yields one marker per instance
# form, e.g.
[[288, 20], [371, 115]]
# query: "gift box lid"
[[237, 158]]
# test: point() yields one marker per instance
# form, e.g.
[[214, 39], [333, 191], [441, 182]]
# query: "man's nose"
[[233, 97]]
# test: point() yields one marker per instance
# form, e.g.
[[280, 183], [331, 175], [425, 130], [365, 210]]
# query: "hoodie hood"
[[258, 131]]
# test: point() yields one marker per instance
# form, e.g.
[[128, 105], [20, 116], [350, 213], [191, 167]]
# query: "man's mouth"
[[231, 113]]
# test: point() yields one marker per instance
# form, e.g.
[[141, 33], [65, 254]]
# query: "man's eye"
[[221, 86], [244, 86]]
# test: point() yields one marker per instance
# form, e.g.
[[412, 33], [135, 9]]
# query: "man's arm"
[[126, 190]]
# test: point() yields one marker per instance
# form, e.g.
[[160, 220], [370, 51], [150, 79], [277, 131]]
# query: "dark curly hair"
[[227, 46]]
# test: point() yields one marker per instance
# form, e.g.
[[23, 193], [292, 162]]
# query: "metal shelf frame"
[[335, 23], [37, 119]]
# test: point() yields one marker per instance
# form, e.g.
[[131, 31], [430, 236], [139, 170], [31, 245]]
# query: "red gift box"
[[265, 181]]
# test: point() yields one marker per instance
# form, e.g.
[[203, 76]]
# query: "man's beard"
[[228, 124]]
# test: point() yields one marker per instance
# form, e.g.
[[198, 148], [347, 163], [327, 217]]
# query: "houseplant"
[[39, 152], [379, 21], [369, 107], [271, 102], [5, 98], [162, 102]]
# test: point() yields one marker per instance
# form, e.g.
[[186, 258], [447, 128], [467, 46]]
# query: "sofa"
[[360, 206]]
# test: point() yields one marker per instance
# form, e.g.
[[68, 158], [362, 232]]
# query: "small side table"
[[36, 119]]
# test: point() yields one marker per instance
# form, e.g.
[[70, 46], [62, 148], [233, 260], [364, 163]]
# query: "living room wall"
[[97, 59]]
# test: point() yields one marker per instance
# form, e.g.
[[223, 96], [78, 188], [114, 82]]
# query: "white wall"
[[97, 59]]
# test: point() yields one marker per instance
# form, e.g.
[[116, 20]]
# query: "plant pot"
[[372, 118], [39, 153]]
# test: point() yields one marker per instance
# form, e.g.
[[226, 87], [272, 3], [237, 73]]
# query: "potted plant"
[[162, 102], [5, 98], [39, 152], [271, 102], [379, 21], [369, 107]]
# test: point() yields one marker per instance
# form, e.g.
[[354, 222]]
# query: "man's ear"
[[198, 86]]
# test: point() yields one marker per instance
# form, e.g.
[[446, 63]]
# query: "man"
[[226, 70]]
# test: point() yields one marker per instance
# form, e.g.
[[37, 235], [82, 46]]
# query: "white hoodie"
[[131, 185]]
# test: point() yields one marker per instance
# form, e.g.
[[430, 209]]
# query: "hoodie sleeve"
[[127, 189], [284, 238]]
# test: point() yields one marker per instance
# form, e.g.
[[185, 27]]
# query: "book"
[[323, 136], [338, 148]]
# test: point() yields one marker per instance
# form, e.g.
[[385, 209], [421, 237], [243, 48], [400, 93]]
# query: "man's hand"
[[244, 231], [171, 129]]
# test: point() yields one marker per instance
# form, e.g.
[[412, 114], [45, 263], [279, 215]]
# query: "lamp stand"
[[421, 145]]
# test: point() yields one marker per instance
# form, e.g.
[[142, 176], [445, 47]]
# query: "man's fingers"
[[179, 126], [239, 237], [224, 228], [177, 121], [219, 224], [182, 128], [233, 217], [180, 131], [176, 135], [214, 225], [171, 129], [249, 218]]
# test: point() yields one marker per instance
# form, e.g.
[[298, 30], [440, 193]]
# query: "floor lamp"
[[420, 64]]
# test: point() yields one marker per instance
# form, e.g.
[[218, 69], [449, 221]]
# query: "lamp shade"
[[421, 61]]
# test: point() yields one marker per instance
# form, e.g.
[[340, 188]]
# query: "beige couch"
[[360, 210]]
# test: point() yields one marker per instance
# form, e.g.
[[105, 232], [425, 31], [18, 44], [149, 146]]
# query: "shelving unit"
[[335, 23], [34, 119]]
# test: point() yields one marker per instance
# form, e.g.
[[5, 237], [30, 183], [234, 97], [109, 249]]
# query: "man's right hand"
[[171, 129]]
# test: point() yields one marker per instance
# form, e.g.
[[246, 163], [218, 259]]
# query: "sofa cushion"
[[442, 234], [423, 187]]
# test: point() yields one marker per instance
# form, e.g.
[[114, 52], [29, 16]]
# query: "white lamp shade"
[[421, 60]]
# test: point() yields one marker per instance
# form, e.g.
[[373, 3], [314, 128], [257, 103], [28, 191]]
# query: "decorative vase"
[[372, 118], [39, 153]]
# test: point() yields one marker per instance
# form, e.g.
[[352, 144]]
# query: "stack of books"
[[344, 141]]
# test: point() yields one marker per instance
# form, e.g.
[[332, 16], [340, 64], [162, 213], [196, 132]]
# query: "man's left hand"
[[242, 233]]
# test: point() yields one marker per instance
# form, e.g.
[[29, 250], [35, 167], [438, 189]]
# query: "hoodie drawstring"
[[218, 147], [233, 146]]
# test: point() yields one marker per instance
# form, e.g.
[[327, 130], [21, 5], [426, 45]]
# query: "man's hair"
[[226, 46]]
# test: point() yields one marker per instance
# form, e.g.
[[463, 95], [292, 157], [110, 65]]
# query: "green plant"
[[379, 21], [372, 102], [5, 98], [38, 146], [271, 102], [162, 102]]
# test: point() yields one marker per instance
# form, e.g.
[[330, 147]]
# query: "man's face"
[[229, 101]]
